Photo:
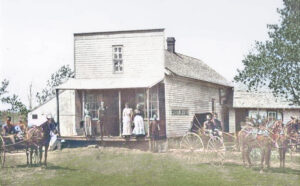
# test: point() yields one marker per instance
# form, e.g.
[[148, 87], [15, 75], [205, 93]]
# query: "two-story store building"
[[135, 67]]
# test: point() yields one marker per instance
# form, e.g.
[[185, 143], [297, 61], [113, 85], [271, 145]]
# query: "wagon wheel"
[[192, 145], [216, 150], [2, 151]]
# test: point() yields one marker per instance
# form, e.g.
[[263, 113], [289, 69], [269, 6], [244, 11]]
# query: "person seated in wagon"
[[212, 126], [8, 130]]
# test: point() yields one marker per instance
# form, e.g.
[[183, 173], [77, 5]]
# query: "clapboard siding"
[[143, 55], [193, 95], [66, 112]]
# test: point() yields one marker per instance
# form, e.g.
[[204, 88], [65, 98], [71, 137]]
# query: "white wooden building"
[[137, 67], [261, 104]]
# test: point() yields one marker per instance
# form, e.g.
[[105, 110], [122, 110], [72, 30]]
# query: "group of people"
[[14, 132], [133, 120]]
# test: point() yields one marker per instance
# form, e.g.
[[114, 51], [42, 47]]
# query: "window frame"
[[96, 98], [119, 60]]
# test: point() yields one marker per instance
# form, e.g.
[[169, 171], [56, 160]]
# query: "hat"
[[49, 116]]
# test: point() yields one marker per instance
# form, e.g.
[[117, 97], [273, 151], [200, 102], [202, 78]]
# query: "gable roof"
[[190, 67], [266, 100]]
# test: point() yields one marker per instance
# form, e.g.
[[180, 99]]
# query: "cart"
[[207, 147]]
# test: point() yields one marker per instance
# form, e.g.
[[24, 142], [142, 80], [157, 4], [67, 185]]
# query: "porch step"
[[80, 132]]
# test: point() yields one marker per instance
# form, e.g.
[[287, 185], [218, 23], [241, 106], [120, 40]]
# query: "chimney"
[[171, 44]]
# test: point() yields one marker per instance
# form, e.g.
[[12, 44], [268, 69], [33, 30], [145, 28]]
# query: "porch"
[[149, 96]]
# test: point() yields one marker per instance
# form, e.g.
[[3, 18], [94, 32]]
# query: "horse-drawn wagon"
[[201, 144]]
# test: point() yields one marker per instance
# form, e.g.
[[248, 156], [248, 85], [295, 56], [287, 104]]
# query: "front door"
[[111, 118]]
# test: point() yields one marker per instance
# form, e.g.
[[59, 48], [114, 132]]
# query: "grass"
[[118, 166]]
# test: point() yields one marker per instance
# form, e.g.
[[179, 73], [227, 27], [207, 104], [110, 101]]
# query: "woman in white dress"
[[127, 115], [139, 128]]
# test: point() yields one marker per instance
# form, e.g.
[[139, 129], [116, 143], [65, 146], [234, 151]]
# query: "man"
[[9, 130], [208, 124], [101, 114], [217, 125]]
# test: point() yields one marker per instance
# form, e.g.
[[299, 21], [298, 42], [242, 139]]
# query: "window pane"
[[120, 56], [120, 49], [115, 56], [116, 49]]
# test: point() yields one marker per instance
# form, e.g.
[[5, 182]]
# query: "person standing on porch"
[[87, 122], [101, 115], [139, 128], [127, 117]]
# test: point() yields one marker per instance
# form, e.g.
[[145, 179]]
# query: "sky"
[[36, 36]]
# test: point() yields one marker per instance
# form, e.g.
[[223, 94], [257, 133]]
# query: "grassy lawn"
[[118, 166]]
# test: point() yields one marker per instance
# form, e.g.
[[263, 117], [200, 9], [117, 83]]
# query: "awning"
[[109, 83]]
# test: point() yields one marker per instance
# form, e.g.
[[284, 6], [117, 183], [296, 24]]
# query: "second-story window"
[[118, 58]]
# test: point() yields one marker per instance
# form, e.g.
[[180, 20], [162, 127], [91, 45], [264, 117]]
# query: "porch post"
[[120, 114], [148, 111], [57, 110], [83, 103]]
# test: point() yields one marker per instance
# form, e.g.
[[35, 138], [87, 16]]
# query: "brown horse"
[[37, 138], [249, 138], [282, 135]]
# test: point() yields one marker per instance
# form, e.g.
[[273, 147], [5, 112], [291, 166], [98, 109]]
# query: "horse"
[[250, 138], [37, 138], [282, 135]]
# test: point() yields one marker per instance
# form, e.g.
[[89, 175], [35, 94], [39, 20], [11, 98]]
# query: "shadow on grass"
[[279, 170], [49, 167], [257, 168]]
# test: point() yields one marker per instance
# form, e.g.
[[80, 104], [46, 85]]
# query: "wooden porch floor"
[[105, 138]]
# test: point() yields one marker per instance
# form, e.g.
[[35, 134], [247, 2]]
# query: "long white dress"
[[139, 128], [127, 121]]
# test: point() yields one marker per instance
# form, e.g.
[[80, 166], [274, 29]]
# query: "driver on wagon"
[[9, 130], [212, 126]]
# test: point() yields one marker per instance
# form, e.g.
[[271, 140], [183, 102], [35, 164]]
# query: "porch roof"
[[109, 83]]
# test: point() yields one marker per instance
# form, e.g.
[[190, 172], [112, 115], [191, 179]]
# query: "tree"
[[14, 101], [16, 105], [57, 78], [276, 62], [3, 87]]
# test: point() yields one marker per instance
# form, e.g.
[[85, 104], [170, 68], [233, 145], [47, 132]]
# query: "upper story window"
[[118, 58]]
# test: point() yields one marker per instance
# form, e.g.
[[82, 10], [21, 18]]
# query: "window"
[[140, 100], [118, 58], [272, 115], [180, 112], [93, 103], [153, 101], [213, 105], [34, 116]]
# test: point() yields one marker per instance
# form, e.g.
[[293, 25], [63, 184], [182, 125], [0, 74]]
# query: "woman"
[[127, 115], [139, 128]]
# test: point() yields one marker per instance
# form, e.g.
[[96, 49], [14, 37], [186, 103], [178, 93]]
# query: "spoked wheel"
[[2, 151], [192, 146], [216, 150]]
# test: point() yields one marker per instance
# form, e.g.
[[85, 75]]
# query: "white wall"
[[67, 112], [143, 55], [193, 95]]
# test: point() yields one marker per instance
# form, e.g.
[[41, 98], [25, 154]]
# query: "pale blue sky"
[[36, 36]]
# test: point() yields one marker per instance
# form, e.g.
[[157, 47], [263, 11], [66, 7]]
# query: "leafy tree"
[[57, 78], [16, 105], [14, 101], [276, 62], [3, 87]]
